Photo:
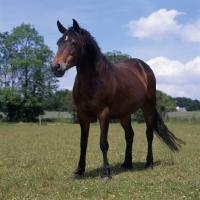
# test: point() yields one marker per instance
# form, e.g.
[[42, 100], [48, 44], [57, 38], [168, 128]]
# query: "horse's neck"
[[88, 74], [84, 73]]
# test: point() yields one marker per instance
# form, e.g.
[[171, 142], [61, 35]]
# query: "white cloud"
[[156, 26], [191, 32], [161, 24], [176, 78]]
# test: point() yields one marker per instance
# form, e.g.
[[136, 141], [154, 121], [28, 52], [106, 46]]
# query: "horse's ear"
[[76, 26], [61, 28]]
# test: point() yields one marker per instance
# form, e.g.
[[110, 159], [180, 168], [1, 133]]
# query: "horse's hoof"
[[148, 166], [78, 173], [125, 167], [106, 178]]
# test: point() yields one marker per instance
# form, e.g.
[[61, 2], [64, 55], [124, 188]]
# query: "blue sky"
[[165, 34]]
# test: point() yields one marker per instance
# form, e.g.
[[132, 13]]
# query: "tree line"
[[28, 88], [25, 78], [187, 103]]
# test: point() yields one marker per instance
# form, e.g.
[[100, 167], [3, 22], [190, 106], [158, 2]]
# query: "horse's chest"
[[88, 104]]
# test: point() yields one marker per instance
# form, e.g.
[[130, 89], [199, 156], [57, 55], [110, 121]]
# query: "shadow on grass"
[[115, 169]]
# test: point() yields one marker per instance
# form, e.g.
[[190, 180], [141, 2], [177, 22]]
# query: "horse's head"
[[69, 52]]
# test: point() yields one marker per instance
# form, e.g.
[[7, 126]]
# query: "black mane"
[[90, 48]]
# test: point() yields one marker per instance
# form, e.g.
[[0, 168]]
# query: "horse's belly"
[[126, 107]]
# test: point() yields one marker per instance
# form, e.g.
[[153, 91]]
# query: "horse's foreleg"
[[104, 124], [129, 134], [85, 125]]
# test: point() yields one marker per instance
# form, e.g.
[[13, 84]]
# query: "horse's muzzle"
[[57, 70]]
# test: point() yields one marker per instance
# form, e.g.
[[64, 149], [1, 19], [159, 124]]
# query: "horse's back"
[[135, 85], [136, 65], [136, 68]]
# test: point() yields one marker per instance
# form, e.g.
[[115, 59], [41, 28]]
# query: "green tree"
[[10, 103], [187, 103], [164, 103], [25, 62], [6, 76], [59, 101], [116, 56], [138, 116]]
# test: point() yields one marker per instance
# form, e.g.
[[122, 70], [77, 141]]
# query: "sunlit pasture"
[[37, 162]]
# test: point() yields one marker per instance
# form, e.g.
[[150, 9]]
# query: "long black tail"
[[165, 135]]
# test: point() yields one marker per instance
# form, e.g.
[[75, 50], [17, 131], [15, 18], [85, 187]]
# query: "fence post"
[[40, 119]]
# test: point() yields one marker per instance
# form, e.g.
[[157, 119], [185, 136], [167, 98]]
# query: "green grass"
[[36, 162], [184, 114], [189, 116]]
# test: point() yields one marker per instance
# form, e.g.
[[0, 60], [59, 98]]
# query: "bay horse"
[[107, 91]]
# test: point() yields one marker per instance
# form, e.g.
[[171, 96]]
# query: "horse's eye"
[[73, 44]]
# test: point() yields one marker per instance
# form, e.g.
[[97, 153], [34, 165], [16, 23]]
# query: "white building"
[[181, 109]]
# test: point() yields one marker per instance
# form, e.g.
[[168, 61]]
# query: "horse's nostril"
[[58, 67]]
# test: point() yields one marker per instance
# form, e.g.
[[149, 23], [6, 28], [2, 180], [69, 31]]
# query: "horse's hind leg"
[[104, 124], [129, 134], [148, 111]]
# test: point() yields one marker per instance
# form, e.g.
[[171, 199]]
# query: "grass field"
[[184, 115], [36, 162]]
